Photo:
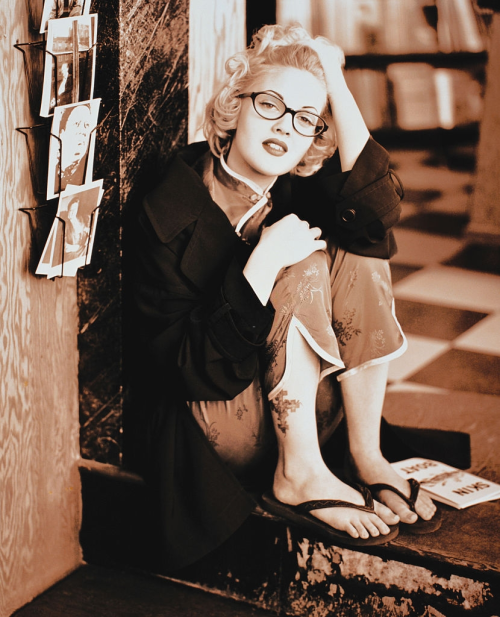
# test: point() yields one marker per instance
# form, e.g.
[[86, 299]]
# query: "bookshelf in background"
[[412, 65]]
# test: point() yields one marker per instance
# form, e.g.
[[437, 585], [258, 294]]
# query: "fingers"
[[311, 240], [327, 51], [319, 245], [314, 232], [300, 229], [339, 55], [291, 240], [316, 244]]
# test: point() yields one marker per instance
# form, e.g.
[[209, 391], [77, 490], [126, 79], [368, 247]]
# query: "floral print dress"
[[341, 303]]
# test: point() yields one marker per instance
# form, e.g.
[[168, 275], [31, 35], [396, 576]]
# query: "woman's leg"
[[301, 473], [367, 331], [363, 395]]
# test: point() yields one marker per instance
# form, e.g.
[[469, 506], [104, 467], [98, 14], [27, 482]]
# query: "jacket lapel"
[[182, 200]]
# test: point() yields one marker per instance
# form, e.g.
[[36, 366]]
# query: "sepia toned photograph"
[[256, 372], [70, 242], [45, 263], [69, 71], [75, 225], [57, 9], [72, 146]]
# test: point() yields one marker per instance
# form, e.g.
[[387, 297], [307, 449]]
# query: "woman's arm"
[[356, 208], [203, 336], [352, 132], [283, 244]]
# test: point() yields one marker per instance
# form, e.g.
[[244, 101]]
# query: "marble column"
[[142, 78]]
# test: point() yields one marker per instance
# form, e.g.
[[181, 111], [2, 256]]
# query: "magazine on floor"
[[454, 487]]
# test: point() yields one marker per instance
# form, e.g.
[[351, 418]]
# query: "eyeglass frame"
[[288, 110]]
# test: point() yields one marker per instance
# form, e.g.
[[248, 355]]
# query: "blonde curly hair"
[[271, 47]]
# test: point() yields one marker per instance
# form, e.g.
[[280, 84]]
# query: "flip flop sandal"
[[420, 526], [299, 515]]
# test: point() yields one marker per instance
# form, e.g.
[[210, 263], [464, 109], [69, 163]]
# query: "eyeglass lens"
[[272, 108]]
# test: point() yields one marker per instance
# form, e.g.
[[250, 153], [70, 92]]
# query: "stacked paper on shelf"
[[389, 26], [369, 88], [458, 27], [414, 93]]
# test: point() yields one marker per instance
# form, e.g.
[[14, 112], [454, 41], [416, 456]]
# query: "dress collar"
[[256, 189]]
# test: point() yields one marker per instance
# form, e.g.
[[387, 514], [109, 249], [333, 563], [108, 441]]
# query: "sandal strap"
[[318, 504], [410, 501]]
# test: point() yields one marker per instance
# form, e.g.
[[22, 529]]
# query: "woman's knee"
[[348, 271], [317, 260]]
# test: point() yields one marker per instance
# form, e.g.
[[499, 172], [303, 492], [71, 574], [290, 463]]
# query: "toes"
[[407, 516], [361, 529], [382, 528], [425, 508], [399, 507], [386, 514], [361, 525], [375, 529], [367, 526], [351, 530]]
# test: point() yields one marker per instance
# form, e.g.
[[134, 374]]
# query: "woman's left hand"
[[330, 55], [350, 128]]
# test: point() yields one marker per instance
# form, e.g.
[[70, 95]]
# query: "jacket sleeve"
[[358, 208], [209, 338]]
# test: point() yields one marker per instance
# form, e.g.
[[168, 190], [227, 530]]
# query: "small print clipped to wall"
[[60, 69]]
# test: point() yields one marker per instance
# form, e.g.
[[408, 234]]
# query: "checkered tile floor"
[[447, 291]]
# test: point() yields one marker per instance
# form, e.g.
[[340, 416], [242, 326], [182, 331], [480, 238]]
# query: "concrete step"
[[452, 572]]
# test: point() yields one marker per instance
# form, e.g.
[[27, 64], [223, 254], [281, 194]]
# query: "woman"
[[262, 282]]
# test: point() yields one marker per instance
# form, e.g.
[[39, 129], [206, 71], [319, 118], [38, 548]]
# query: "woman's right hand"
[[283, 244], [289, 241]]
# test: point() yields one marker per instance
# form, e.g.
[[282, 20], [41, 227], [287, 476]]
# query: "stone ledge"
[[272, 565]]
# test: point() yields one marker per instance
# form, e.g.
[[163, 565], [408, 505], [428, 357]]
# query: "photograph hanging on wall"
[[44, 265], [69, 62], [72, 146], [57, 9], [71, 239]]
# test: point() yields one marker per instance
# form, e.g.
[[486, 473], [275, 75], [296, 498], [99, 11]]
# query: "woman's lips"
[[275, 147]]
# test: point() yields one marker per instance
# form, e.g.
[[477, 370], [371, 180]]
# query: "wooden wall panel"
[[216, 31], [39, 481]]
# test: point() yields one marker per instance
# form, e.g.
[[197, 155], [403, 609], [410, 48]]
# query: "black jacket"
[[200, 326]]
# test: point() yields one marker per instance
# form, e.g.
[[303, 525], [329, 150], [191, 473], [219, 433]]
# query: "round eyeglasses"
[[271, 107]]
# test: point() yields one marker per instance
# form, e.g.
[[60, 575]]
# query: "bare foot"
[[322, 484], [377, 469]]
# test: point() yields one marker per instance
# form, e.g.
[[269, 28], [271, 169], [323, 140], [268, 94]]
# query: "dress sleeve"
[[358, 208], [210, 338]]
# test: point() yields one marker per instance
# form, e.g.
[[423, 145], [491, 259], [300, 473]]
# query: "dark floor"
[[93, 591]]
